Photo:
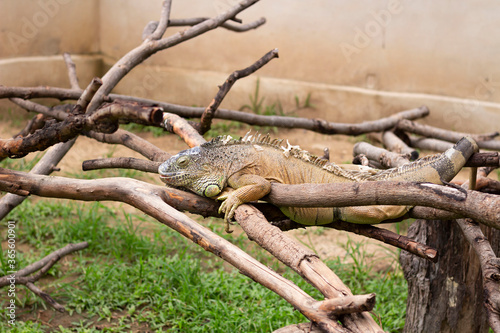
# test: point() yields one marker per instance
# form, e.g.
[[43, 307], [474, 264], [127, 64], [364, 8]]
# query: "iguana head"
[[193, 170]]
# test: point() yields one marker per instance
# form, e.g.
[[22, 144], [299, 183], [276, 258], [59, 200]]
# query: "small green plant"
[[258, 107]]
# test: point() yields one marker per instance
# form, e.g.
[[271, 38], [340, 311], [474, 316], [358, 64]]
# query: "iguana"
[[250, 164]]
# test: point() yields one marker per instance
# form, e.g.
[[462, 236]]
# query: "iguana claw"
[[228, 207]]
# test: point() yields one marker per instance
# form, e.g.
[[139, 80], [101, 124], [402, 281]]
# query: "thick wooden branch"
[[303, 261], [490, 268], [315, 125], [484, 208], [209, 113], [105, 120], [36, 123], [45, 166], [429, 143]]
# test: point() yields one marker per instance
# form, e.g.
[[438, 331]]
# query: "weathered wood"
[[445, 296], [395, 144]]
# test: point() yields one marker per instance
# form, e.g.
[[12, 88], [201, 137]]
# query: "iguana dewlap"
[[249, 166]]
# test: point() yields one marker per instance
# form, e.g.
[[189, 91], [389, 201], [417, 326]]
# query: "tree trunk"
[[446, 296]]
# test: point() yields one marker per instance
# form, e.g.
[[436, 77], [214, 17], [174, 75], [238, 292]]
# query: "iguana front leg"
[[247, 187]]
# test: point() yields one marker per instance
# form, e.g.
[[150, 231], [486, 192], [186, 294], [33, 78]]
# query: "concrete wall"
[[358, 59]]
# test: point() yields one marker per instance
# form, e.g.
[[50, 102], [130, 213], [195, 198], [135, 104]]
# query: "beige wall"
[[359, 59]]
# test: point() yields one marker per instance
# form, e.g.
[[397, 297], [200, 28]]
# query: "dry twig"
[[42, 266], [209, 113]]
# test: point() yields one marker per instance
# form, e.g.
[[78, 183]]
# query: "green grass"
[[139, 275]]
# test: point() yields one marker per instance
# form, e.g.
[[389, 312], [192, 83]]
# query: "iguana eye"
[[183, 161]]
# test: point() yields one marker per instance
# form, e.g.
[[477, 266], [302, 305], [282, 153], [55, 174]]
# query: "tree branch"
[[104, 120], [148, 48], [70, 65], [209, 113], [164, 19], [395, 144], [483, 140], [121, 163], [226, 25], [385, 158], [42, 265], [315, 125], [484, 208]]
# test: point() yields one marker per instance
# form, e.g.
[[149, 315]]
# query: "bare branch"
[[87, 95], [209, 113], [146, 49], [43, 265], [226, 25], [132, 141], [175, 124], [104, 120], [73, 78], [371, 231], [482, 207], [45, 166], [36, 123], [122, 163], [39, 92], [301, 260], [56, 113], [395, 144], [429, 143], [490, 268], [316, 125], [386, 158], [163, 24], [46, 297], [483, 140]]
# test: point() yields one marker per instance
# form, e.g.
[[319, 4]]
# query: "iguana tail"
[[436, 169]]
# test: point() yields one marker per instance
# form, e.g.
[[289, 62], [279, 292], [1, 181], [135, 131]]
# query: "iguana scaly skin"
[[249, 166]]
